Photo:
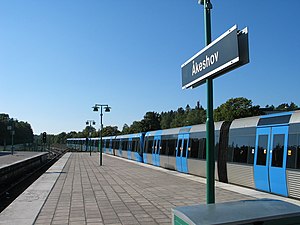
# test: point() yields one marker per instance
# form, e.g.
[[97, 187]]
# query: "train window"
[[242, 149], [202, 152], [277, 152], [117, 144], [107, 142], [293, 151], [179, 147], [240, 154], [158, 146], [133, 146], [154, 147], [171, 147], [124, 145], [185, 147], [241, 145], [138, 146], [217, 137], [298, 158], [195, 148], [163, 150], [149, 144], [262, 150]]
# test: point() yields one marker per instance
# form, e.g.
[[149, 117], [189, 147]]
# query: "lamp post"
[[11, 128], [90, 123], [96, 109], [210, 130]]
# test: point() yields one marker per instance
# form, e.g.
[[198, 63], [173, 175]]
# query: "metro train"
[[261, 152]]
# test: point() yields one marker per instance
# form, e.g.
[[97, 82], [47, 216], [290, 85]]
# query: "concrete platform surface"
[[7, 159], [119, 192]]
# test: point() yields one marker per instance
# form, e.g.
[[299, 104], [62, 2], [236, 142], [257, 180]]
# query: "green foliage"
[[154, 121], [195, 116], [89, 131], [235, 108], [126, 129], [179, 118], [110, 131], [166, 119], [23, 132], [150, 122], [287, 107]]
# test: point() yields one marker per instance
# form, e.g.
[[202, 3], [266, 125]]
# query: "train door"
[[182, 152], [129, 148], [156, 151], [120, 147], [270, 159], [104, 145]]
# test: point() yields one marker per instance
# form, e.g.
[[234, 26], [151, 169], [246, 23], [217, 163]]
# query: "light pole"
[[90, 123], [210, 130], [11, 128], [96, 109]]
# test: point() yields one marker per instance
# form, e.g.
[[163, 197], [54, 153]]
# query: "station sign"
[[226, 53]]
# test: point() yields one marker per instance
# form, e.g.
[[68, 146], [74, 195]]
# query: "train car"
[[130, 146], [78, 144], [264, 153], [182, 149], [107, 145], [94, 144]]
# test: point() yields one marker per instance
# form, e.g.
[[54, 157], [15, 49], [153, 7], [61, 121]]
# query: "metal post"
[[210, 130], [107, 109], [101, 114], [90, 146], [89, 140], [12, 142]]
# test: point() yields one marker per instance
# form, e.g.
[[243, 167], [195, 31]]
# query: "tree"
[[23, 132], [150, 122], [110, 131], [136, 127], [195, 116], [235, 108], [89, 131], [166, 119], [60, 138], [126, 129], [287, 107], [293, 106], [179, 118]]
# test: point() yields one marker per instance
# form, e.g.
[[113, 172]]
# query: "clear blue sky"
[[59, 58]]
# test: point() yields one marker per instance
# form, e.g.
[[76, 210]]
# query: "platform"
[[7, 159], [13, 167], [76, 190]]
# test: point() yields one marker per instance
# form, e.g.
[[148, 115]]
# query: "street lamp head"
[[87, 123], [95, 108], [208, 4], [107, 109], [94, 122]]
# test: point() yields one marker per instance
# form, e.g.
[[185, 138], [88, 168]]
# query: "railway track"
[[10, 190]]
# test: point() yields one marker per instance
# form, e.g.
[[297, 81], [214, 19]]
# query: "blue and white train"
[[261, 152]]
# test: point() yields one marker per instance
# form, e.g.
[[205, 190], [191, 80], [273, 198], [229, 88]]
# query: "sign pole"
[[210, 130]]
